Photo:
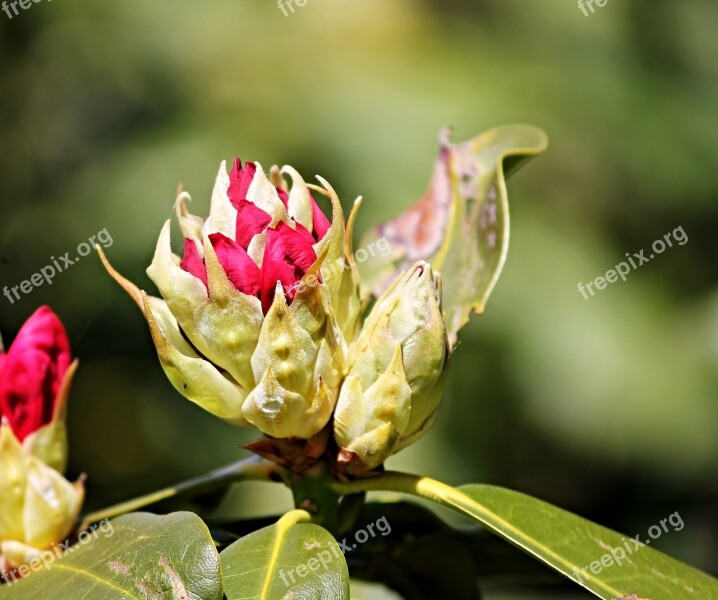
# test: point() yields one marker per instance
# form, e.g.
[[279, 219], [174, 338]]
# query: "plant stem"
[[424, 487], [248, 469], [314, 494]]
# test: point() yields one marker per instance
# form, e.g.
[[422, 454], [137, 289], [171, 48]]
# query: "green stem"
[[314, 493], [423, 487], [248, 469]]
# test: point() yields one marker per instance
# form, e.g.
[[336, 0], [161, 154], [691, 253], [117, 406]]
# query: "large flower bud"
[[249, 326], [38, 506], [396, 376], [35, 378]]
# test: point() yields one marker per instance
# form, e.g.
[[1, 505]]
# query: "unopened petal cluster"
[[38, 506], [247, 326], [396, 374], [35, 378]]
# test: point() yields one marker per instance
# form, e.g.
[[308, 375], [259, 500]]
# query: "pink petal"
[[304, 232], [192, 262], [320, 222], [32, 372], [240, 268], [239, 181], [283, 196], [251, 220], [288, 254]]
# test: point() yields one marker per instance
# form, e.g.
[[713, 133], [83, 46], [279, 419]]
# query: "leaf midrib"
[[90, 575]]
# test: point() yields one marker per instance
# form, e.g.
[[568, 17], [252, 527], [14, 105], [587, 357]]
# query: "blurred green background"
[[607, 406]]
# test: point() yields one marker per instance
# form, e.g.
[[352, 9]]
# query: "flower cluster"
[[38, 506], [253, 325]]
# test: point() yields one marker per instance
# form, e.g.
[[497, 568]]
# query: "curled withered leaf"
[[461, 225]]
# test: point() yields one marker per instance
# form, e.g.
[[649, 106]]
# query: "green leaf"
[[289, 559], [570, 544], [563, 541], [141, 557], [461, 225]]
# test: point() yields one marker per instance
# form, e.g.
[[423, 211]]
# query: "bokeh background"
[[607, 406]]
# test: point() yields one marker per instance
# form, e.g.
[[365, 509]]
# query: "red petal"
[[283, 196], [288, 255], [320, 222], [32, 372], [308, 237], [251, 220], [192, 262], [240, 180], [240, 268]]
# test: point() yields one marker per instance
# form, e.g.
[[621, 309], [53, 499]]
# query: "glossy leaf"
[[291, 559], [574, 546], [461, 225], [143, 556], [569, 544]]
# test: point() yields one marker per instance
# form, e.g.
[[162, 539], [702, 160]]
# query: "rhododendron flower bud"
[[35, 378], [396, 377], [38, 506], [255, 318]]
